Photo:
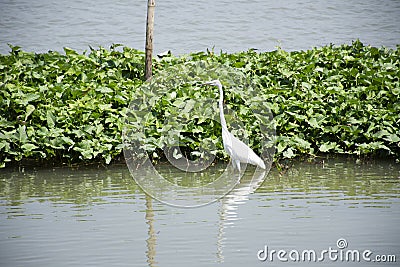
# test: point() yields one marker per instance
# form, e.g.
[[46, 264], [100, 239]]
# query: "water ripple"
[[233, 25]]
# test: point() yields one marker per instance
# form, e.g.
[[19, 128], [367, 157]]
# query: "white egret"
[[236, 149]]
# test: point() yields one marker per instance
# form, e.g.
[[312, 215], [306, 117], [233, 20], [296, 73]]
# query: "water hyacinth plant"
[[70, 107]]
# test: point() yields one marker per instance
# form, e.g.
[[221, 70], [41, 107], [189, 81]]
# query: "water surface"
[[188, 26], [91, 216]]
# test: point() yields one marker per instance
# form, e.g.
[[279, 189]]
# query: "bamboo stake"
[[149, 38], [152, 237]]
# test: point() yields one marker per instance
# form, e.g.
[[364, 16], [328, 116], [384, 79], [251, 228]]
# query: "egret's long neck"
[[221, 107]]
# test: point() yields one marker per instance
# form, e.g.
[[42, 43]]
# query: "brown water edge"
[[281, 166]]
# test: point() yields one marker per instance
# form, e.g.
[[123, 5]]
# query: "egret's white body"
[[236, 149]]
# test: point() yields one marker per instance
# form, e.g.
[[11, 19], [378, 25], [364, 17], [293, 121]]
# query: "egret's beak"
[[207, 83], [198, 85]]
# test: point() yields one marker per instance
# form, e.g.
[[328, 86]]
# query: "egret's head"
[[213, 83]]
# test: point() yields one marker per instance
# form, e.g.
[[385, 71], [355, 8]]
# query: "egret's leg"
[[233, 163], [237, 164]]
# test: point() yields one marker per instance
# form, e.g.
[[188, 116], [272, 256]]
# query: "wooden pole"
[[152, 239], [149, 38]]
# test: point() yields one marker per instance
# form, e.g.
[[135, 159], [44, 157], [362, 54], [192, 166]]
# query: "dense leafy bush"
[[68, 106], [334, 99]]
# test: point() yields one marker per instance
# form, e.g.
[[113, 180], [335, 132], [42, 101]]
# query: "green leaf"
[[189, 105], [70, 52], [326, 147], [313, 123], [28, 147], [176, 154], [104, 90], [50, 119], [26, 98], [22, 137], [393, 138], [289, 153], [28, 111]]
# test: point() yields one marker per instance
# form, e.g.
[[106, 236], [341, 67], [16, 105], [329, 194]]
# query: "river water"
[[91, 216], [189, 26]]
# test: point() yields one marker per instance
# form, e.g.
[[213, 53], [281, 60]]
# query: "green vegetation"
[[71, 107], [65, 107], [174, 110]]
